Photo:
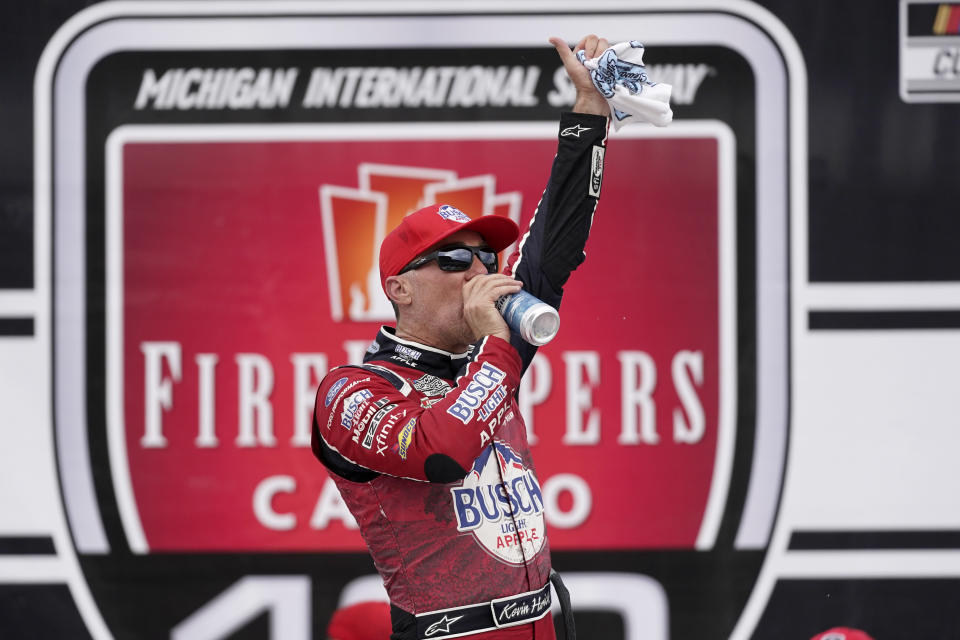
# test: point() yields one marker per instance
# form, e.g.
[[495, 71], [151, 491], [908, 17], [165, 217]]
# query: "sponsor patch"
[[596, 171], [333, 391], [501, 504], [405, 437], [352, 407], [451, 213], [359, 425], [484, 381], [374, 347], [430, 385], [375, 423], [490, 404], [343, 393], [383, 432], [407, 352]]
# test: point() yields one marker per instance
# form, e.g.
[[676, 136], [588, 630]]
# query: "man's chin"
[[463, 340]]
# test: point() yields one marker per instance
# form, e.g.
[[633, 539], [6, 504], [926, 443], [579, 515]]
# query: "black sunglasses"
[[457, 258]]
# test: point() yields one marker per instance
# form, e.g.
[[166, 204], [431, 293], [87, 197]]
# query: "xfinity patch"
[[375, 424]]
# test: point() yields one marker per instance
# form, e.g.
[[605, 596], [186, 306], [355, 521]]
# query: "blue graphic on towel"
[[613, 72]]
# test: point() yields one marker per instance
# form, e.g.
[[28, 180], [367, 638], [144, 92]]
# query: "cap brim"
[[497, 231]]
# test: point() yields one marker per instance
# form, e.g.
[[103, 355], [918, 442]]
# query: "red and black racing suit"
[[429, 450]]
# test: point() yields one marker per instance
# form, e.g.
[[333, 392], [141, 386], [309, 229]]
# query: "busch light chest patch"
[[505, 516]]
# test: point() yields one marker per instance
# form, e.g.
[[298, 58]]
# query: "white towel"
[[620, 76]]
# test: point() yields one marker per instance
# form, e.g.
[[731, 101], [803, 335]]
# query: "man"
[[425, 440]]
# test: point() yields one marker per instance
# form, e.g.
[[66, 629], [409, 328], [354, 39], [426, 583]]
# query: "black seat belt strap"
[[564, 597]]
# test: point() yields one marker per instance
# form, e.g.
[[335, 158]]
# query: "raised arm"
[[553, 245]]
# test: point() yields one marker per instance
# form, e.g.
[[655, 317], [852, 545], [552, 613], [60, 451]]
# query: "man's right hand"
[[589, 99], [480, 294]]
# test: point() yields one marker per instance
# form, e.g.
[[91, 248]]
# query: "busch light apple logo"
[[501, 504]]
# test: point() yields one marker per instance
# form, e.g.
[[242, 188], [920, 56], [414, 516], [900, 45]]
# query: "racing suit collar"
[[415, 355]]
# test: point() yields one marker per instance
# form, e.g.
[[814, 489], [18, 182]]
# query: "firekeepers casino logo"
[[212, 264], [355, 221]]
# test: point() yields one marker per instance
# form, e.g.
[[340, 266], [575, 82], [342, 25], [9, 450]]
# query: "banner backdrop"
[[746, 428], [220, 186], [246, 269]]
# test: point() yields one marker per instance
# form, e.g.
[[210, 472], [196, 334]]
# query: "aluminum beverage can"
[[535, 320]]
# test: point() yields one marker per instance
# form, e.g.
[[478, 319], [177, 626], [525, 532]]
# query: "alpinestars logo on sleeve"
[[573, 132]]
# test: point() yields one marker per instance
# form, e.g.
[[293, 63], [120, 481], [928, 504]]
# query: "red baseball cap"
[[361, 621], [842, 633], [428, 226]]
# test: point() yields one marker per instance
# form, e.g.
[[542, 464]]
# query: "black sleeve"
[[553, 245]]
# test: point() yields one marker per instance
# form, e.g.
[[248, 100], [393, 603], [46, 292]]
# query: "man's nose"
[[477, 268]]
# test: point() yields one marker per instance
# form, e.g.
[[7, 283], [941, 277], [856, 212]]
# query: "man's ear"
[[399, 290]]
